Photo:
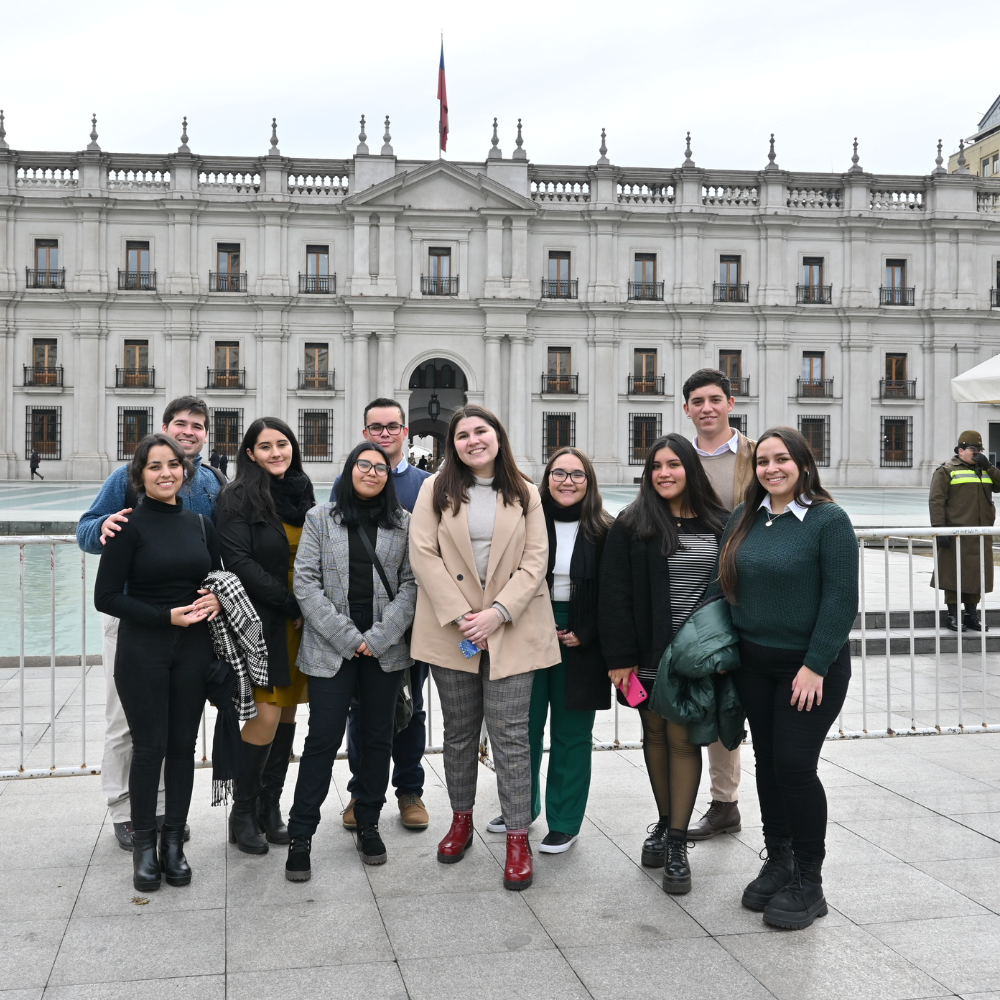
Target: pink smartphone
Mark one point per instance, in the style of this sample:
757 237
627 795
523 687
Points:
636 692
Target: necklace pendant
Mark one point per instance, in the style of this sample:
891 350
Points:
767 524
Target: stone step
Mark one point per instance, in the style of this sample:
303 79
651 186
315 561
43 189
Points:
923 642
921 619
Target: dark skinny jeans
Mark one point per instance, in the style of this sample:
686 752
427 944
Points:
160 677
787 743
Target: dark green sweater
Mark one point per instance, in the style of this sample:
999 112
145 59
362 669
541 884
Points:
797 582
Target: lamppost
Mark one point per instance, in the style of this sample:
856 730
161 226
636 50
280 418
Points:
434 407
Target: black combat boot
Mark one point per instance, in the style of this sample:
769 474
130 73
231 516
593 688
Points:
801 901
654 846
774 875
676 871
972 620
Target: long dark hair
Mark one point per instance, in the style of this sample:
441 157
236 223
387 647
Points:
649 515
594 519
347 512
141 456
253 482
451 488
808 487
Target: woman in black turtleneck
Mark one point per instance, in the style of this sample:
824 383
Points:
576 688
259 517
150 577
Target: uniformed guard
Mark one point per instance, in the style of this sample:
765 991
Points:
962 496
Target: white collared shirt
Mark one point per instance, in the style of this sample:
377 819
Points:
799 507
733 445
402 467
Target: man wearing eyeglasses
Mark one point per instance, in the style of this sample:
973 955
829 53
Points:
385 425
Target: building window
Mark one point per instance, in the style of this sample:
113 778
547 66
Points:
559 284
895 291
739 421
644 429
729 269
137 275
46 272
227 373
816 431
644 380
897 442
986 166
316 435
316 373
559 431
137 255
645 287
317 277
558 377
228 277
813 290
729 287
135 373
895 367
44 353
812 271
813 363
225 430
731 364
43 431
439 280
134 423
895 274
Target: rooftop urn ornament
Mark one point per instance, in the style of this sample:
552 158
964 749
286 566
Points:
963 165
603 150
688 162
855 159
274 151
3 133
939 160
771 156
519 153
386 139
92 145
362 149
183 147
494 153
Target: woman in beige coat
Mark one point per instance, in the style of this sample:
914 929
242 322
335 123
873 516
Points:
479 552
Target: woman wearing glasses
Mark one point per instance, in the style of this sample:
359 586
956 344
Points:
354 585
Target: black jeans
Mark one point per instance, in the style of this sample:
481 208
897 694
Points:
329 701
787 742
160 676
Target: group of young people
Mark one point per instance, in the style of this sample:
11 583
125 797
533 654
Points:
529 606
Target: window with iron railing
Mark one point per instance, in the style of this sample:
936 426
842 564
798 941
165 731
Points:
558 377
645 287
559 431
316 280
43 431
739 421
316 374
644 429
559 284
135 373
730 286
45 368
134 423
227 373
731 364
137 275
813 291
816 431
644 380
897 442
316 435
225 430
228 277
895 291
46 272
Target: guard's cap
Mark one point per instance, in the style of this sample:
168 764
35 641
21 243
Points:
969 439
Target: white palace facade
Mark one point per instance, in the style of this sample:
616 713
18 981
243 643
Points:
572 300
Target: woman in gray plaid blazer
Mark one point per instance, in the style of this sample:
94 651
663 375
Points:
357 594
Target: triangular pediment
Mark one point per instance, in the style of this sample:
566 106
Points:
441 185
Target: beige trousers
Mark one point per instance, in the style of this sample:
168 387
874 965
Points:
724 770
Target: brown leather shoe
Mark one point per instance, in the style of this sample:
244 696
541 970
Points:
413 812
721 817
350 823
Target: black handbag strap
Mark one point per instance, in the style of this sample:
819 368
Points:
376 562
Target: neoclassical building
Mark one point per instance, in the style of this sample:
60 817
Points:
572 299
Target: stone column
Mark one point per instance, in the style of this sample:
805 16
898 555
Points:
84 420
385 377
360 279
604 400
359 392
272 398
520 399
492 375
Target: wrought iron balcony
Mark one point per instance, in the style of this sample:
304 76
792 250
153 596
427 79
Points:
814 387
317 284
45 279
40 375
554 384
645 291
135 378
227 281
995 298
740 386
136 281
894 388
563 288
438 286
316 380
730 293
227 378
646 385
813 295
895 296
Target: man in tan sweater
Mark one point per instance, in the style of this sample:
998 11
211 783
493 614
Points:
727 458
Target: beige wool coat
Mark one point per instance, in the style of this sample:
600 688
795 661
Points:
448 586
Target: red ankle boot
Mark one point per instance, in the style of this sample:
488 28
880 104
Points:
457 840
517 873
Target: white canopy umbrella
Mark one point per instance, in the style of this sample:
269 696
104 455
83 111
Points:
978 385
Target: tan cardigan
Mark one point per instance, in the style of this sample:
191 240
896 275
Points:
448 586
744 467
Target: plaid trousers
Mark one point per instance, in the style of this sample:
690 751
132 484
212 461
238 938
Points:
466 699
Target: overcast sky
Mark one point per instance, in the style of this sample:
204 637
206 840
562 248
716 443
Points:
897 74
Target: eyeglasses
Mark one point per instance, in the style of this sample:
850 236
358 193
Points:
381 469
560 475
376 429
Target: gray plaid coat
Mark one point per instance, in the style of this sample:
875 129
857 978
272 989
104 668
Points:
321 580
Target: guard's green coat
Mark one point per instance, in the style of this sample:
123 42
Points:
961 496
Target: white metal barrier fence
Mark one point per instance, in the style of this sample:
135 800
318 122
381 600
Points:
913 674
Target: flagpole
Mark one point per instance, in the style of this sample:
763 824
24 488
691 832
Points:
440 109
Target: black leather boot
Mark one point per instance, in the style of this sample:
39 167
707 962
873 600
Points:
145 866
244 829
953 623
801 901
676 871
269 800
973 621
720 817
654 846
176 869
774 875
370 844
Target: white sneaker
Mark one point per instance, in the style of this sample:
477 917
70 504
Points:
557 843
497 825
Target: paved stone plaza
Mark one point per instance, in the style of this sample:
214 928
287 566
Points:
913 879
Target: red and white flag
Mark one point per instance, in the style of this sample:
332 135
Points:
443 98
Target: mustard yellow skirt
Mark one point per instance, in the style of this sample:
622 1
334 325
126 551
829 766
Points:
296 693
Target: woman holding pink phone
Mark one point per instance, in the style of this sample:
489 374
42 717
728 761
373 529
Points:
659 559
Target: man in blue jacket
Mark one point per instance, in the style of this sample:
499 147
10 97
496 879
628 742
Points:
186 420
385 425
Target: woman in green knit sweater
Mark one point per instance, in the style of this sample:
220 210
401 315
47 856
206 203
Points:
789 568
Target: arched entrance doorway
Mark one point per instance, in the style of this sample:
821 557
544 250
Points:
437 387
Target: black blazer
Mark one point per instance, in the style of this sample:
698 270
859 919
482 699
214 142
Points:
257 552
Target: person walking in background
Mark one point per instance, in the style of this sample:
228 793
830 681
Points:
727 457
260 518
789 569
354 584
961 495
213 459
659 560
150 580
185 420
385 425
479 550
224 464
36 460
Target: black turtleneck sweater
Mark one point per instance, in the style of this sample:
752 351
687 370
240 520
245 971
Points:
361 582
159 558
